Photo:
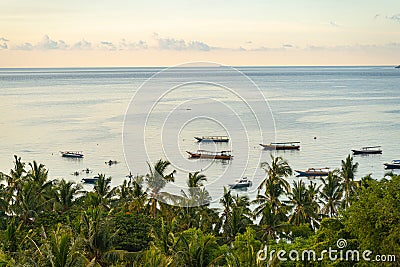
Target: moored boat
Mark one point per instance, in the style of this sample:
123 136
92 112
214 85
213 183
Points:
215 138
90 180
314 172
367 150
282 146
241 183
204 154
395 164
71 154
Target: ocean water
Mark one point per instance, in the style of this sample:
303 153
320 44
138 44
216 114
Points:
138 115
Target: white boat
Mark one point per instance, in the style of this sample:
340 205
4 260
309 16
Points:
241 183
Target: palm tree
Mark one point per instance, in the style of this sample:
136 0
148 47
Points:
197 196
276 171
65 193
347 173
275 183
236 215
156 181
331 194
304 207
14 180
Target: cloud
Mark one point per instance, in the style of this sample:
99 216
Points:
24 46
180 44
196 45
107 45
334 24
3 43
48 44
126 45
395 17
83 45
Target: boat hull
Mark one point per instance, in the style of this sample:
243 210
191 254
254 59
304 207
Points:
72 156
278 147
199 139
237 186
312 174
366 152
391 166
89 180
205 156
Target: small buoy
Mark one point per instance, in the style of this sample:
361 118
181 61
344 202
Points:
315 137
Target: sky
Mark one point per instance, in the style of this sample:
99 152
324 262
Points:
74 33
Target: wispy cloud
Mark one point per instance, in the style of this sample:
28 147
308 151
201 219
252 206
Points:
287 46
127 45
24 46
180 44
334 24
395 17
107 45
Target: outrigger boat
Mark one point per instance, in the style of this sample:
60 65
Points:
241 183
395 164
314 172
216 138
71 154
368 150
204 154
282 146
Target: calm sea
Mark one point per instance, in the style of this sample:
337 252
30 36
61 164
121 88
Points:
330 110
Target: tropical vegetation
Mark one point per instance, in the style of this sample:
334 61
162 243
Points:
47 222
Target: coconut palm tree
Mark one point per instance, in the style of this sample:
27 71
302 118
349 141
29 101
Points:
331 194
156 181
304 207
276 171
14 181
347 173
64 194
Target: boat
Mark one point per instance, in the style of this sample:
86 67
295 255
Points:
215 138
204 154
395 164
314 172
397 67
90 180
282 146
367 150
72 154
241 183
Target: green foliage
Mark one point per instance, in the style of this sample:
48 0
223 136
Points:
374 218
133 231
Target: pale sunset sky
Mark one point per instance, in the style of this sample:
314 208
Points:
163 33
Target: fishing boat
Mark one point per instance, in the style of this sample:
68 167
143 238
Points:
395 164
314 172
90 180
204 154
367 150
215 138
241 183
282 146
71 154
